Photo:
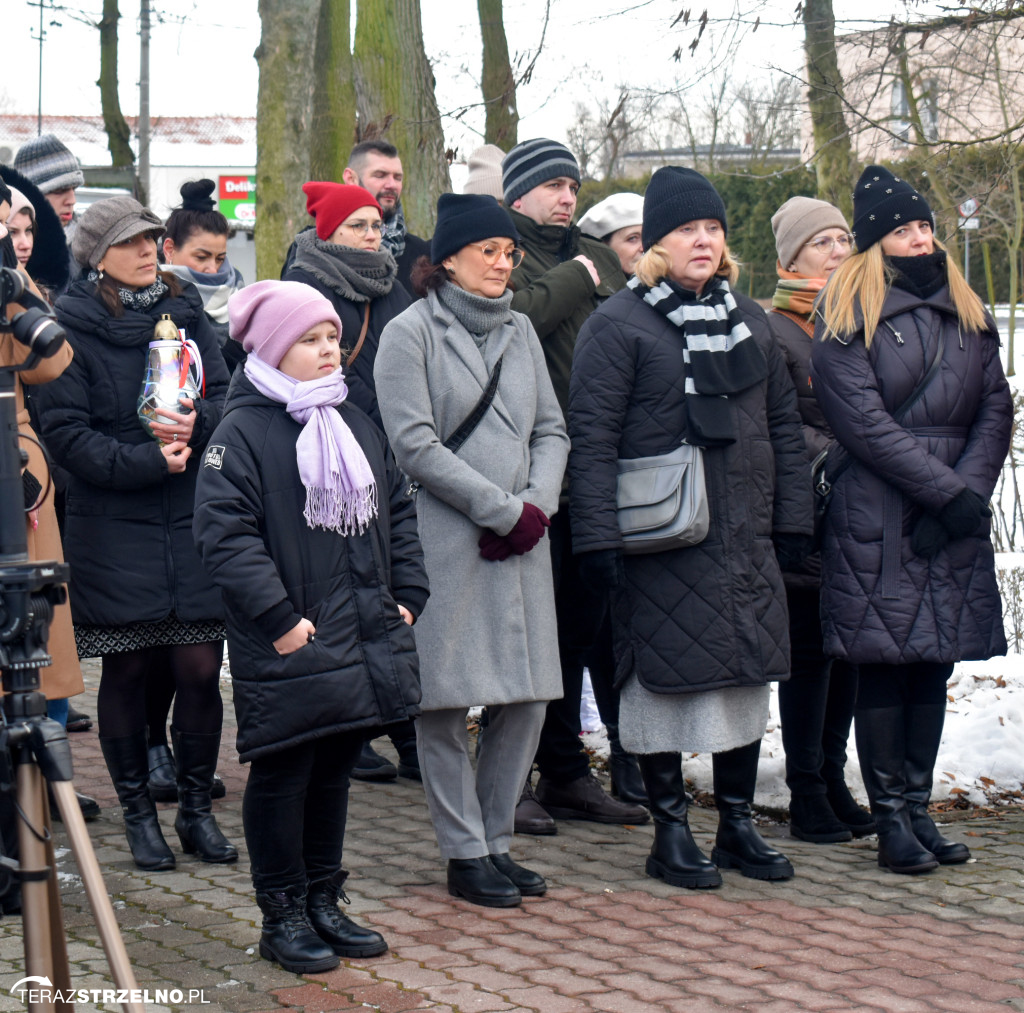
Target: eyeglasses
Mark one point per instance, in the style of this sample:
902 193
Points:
361 228
491 254
827 243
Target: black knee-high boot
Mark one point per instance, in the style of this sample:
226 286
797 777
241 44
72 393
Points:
881 748
195 824
924 733
738 845
674 857
129 770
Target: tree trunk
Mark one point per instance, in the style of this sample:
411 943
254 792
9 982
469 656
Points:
334 93
118 133
499 83
283 114
395 100
833 155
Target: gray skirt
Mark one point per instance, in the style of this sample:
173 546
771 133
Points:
711 722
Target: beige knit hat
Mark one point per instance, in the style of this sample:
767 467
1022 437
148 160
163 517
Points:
799 219
485 172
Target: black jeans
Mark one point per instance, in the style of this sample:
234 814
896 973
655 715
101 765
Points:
294 811
579 612
816 702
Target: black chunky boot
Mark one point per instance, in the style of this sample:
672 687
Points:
195 823
924 733
335 928
881 747
738 845
674 856
126 761
288 938
627 782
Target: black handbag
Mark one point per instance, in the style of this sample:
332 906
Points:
834 460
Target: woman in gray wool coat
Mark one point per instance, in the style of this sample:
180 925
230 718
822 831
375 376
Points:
488 634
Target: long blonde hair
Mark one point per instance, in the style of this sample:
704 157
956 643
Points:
865 277
656 263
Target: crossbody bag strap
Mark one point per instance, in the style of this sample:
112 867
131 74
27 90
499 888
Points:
471 421
362 337
915 396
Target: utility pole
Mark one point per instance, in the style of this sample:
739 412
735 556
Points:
144 101
41 38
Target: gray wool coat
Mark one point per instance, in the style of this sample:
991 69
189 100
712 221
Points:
488 634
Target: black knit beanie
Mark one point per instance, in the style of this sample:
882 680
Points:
534 162
675 196
883 202
464 218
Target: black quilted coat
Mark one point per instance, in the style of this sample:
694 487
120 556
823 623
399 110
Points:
713 615
361 670
880 602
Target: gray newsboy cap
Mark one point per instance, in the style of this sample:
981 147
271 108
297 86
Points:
107 223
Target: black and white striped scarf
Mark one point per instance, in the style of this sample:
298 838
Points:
720 354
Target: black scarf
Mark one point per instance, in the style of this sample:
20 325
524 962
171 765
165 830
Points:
140 299
720 354
921 276
357 275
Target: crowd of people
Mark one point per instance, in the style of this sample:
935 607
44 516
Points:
398 494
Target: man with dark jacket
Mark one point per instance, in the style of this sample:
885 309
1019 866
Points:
561 281
375 166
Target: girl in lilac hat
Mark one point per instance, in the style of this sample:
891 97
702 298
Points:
303 521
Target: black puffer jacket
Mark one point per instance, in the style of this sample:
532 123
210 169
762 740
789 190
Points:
713 615
361 670
880 602
361 389
128 532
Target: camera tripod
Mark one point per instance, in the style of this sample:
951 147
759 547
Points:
34 749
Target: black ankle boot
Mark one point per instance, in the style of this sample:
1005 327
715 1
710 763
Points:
126 761
851 815
163 776
195 823
333 926
288 937
811 819
923 726
674 857
738 845
881 749
403 738
627 782
479 882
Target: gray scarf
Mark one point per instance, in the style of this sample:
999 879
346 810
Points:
140 299
479 314
357 275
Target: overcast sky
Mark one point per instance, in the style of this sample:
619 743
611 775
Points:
202 54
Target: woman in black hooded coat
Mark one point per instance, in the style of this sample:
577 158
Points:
908 576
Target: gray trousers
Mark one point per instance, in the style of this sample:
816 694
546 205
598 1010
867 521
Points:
473 812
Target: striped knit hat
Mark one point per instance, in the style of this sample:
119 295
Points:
49 164
534 162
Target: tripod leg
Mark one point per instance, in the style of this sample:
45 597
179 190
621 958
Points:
96 891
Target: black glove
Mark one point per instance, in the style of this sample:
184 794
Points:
963 514
602 569
792 549
31 488
929 537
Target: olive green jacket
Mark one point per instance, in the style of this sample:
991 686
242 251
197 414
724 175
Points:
557 292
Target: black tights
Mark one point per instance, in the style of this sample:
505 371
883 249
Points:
193 670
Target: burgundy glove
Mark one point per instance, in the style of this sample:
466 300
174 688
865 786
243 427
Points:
493 547
529 530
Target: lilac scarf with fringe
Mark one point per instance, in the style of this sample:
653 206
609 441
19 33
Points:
341 494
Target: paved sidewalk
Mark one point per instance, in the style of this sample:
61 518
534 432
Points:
842 935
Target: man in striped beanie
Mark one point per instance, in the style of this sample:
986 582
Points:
52 167
561 281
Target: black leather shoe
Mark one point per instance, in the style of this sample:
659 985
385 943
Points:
371 766
288 938
585 799
529 883
811 819
479 882
531 817
859 822
77 721
89 806
335 928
